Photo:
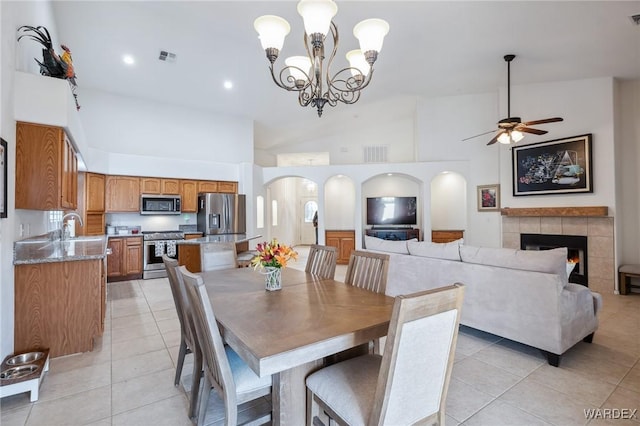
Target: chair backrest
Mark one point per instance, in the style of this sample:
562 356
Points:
418 357
216 363
322 261
368 270
214 256
179 299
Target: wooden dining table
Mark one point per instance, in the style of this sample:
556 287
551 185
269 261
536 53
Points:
288 333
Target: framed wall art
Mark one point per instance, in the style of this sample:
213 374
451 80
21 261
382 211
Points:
3 178
561 166
488 198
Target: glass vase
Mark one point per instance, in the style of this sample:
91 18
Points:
272 278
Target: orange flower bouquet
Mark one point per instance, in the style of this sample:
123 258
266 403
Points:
272 257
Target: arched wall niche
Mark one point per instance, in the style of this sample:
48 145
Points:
290 194
448 201
394 185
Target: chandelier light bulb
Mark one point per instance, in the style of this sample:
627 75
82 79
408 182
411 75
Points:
299 67
357 62
370 33
504 138
317 15
271 30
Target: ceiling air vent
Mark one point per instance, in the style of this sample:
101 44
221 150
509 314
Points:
167 56
635 19
375 154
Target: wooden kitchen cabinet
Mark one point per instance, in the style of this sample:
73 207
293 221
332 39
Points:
228 187
125 260
189 256
46 168
91 204
344 241
122 194
207 186
151 185
59 305
189 196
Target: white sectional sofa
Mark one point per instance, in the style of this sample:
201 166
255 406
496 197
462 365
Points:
517 294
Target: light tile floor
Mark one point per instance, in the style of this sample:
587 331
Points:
128 378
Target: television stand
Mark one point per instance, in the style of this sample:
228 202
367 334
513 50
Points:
396 234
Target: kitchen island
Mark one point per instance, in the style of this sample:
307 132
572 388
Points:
189 251
60 294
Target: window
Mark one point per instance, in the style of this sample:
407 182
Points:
310 209
274 213
259 212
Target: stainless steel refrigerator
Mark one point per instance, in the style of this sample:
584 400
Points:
221 213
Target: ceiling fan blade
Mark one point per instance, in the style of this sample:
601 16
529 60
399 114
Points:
531 130
543 121
481 134
495 138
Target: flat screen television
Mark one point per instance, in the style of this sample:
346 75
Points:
392 211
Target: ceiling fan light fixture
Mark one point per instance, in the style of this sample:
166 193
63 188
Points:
511 136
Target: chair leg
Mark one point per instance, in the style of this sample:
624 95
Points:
181 355
196 377
203 400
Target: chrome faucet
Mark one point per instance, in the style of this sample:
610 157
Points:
65 229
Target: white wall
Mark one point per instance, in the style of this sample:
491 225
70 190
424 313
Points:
339 205
627 107
449 202
14 56
149 138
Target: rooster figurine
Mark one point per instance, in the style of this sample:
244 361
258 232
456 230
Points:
52 65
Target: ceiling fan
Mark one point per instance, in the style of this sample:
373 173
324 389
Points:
510 129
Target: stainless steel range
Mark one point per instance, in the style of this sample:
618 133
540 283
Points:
157 243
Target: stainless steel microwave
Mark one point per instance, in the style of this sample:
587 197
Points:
159 204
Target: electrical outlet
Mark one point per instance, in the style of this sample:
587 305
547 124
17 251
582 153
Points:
28 229
21 230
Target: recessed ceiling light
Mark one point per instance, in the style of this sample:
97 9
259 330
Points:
228 85
128 59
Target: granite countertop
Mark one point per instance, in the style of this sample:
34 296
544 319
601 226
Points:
39 250
123 235
227 238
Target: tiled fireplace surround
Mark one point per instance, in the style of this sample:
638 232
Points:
599 233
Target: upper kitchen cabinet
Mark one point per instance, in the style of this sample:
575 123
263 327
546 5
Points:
46 168
189 195
207 186
228 187
122 194
159 186
95 192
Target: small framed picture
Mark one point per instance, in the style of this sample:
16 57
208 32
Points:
488 198
3 178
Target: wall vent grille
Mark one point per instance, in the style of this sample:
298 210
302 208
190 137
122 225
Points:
167 56
375 154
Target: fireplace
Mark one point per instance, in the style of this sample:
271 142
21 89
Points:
577 251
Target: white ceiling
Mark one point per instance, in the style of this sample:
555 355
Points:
433 49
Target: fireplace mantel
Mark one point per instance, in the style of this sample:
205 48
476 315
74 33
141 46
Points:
595 211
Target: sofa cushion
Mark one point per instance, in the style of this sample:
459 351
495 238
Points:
447 251
378 244
552 261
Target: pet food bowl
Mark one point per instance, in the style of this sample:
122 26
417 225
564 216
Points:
25 358
18 372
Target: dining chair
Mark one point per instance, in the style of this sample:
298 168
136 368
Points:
218 255
188 340
409 383
322 261
368 270
224 370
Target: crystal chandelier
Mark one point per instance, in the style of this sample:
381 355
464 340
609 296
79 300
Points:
308 75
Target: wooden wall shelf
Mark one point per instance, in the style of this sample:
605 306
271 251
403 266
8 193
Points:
596 211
